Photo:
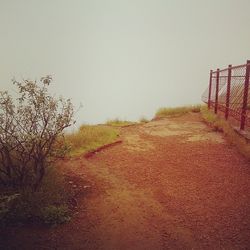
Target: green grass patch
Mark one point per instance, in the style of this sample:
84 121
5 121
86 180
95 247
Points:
119 123
48 205
89 138
220 124
177 111
55 215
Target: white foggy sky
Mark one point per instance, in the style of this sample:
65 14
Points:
122 58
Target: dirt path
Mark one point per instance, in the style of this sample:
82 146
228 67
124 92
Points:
171 184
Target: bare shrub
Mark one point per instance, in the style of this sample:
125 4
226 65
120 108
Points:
29 127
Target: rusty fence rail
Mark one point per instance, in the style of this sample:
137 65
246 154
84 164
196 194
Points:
228 93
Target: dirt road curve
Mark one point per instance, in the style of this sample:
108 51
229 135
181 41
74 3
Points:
171 184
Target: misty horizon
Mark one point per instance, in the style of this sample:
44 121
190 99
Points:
122 59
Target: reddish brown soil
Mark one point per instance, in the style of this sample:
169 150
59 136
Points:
171 184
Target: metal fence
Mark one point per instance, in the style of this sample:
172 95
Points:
228 93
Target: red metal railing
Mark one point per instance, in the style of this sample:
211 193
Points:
229 93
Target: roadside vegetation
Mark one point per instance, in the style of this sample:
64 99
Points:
88 138
119 123
143 120
220 124
32 140
48 205
177 111
31 188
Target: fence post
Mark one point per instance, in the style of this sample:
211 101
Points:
245 96
217 91
210 88
228 90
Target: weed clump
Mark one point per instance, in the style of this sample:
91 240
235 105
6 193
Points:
221 125
88 138
144 120
119 123
177 111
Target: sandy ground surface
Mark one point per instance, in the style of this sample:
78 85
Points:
171 184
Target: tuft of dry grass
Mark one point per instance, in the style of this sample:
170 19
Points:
89 137
119 123
143 120
177 111
233 137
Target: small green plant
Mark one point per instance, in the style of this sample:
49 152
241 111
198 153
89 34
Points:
54 215
177 111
